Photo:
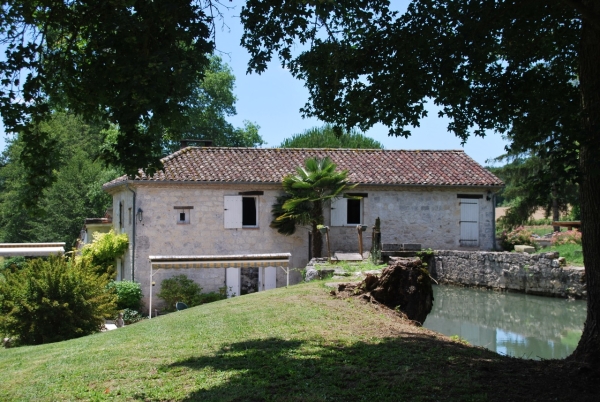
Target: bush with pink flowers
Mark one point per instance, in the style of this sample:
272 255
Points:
568 237
519 235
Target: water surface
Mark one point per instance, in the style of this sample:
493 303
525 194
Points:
513 324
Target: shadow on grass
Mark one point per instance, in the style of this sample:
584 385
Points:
416 367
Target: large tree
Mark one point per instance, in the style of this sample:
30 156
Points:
75 191
129 63
327 137
533 182
212 101
529 69
307 191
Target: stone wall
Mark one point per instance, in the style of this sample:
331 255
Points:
539 274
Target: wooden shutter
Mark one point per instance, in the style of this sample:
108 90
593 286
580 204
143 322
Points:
469 222
233 282
270 278
232 215
339 212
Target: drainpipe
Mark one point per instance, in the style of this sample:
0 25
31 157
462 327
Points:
494 222
134 219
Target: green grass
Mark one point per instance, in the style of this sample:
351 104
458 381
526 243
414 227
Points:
366 265
569 251
296 344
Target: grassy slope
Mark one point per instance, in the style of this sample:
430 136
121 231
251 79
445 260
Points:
287 344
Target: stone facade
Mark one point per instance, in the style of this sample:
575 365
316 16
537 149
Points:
540 274
428 215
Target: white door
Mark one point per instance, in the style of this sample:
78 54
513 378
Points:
233 281
270 281
469 222
267 278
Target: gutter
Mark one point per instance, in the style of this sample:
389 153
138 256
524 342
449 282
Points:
133 234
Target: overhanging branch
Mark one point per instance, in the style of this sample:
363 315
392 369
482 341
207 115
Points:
586 12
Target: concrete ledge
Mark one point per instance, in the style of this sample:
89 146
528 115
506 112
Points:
524 249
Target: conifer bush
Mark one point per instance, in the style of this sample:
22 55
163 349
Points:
54 299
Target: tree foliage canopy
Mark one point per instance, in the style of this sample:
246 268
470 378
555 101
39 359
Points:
208 107
326 137
129 63
73 193
506 66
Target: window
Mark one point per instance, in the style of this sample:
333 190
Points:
240 211
248 211
347 211
183 214
121 222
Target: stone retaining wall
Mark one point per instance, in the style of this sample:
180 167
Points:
540 274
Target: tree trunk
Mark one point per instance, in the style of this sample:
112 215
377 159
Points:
317 219
555 212
588 349
317 241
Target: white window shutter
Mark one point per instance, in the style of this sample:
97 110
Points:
339 212
233 282
270 278
469 222
233 211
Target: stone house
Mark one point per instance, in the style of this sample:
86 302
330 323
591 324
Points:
206 214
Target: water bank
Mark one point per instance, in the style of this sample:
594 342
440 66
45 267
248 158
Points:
537 274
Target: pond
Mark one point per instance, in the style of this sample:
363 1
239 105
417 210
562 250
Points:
513 324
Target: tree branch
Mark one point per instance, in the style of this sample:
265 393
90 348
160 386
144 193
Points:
586 13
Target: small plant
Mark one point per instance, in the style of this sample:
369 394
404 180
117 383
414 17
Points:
457 338
519 235
180 289
129 294
131 316
568 237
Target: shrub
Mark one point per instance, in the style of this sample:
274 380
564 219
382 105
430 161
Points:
129 294
54 300
104 250
519 235
131 316
13 264
180 288
211 297
568 237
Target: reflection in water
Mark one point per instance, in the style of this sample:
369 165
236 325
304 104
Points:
513 324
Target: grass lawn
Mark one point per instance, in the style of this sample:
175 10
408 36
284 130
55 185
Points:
572 252
294 344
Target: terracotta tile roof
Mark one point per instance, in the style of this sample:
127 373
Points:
365 166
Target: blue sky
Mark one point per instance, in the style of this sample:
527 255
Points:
274 98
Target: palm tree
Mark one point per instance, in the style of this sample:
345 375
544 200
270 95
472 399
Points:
307 192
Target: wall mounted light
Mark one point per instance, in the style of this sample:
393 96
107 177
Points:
140 214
